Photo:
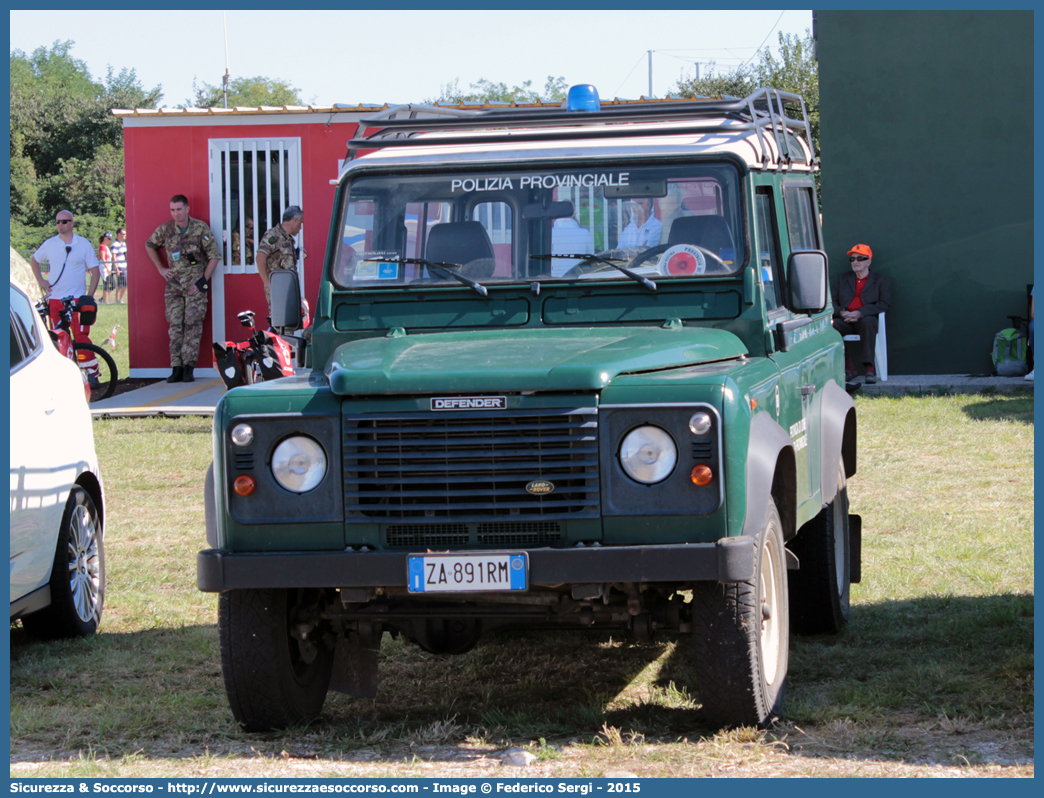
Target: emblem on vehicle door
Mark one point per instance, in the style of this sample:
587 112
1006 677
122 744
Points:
540 487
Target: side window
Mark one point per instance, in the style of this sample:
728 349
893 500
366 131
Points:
16 351
801 217
496 218
23 325
768 246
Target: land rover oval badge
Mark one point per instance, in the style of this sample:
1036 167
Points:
538 487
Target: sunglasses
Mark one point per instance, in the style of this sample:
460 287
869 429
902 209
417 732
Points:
859 257
63 221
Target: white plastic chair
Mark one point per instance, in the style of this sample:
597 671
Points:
880 350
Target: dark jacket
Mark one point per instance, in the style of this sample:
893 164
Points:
877 293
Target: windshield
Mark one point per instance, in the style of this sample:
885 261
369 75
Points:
645 223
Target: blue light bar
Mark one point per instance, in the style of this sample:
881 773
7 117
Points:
583 97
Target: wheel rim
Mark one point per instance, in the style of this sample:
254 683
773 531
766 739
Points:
84 563
771 609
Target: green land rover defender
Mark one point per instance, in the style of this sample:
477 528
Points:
570 368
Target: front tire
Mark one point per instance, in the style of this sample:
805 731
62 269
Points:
742 638
273 677
77 574
821 587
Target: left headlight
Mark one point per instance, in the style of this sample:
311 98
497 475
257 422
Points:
299 464
648 454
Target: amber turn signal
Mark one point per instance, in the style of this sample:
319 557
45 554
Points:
245 484
701 475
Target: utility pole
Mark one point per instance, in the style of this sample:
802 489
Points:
224 80
650 74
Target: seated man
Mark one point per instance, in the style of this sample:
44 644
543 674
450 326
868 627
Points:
860 296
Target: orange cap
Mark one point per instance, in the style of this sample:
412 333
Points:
861 249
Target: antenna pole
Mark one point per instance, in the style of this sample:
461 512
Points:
224 82
650 74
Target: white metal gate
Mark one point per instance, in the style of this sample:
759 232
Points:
252 181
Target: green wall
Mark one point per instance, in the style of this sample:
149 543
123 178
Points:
927 150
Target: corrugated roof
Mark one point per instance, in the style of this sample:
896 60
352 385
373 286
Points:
241 110
346 108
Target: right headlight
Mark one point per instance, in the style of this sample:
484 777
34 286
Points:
648 454
299 464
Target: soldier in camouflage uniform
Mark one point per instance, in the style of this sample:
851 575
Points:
192 257
277 249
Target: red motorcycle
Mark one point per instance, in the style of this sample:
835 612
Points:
265 355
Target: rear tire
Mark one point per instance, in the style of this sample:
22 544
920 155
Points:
77 574
107 375
821 587
272 679
742 638
252 374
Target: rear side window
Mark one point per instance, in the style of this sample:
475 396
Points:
801 217
768 246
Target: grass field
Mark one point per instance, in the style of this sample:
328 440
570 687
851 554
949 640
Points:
933 676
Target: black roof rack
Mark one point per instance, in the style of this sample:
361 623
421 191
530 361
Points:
763 111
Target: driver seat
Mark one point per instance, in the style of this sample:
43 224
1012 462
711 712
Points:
465 243
710 232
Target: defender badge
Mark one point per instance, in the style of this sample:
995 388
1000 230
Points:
540 487
470 403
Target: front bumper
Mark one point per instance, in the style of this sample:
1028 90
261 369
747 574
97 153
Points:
727 560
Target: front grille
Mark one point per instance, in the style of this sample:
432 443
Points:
427 535
471 466
498 533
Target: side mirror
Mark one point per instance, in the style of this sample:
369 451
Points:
807 278
286 299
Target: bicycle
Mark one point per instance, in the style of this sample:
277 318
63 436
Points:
102 382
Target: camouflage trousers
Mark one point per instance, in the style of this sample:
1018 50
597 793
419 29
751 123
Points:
185 316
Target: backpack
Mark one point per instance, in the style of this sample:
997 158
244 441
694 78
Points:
1009 353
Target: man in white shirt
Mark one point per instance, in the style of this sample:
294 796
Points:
70 258
644 229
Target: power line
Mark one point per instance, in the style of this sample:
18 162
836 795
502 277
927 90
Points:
781 13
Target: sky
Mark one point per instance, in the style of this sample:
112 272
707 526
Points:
343 56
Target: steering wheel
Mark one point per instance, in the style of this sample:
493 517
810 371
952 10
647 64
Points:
653 252
649 254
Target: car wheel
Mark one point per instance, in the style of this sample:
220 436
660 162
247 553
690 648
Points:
820 588
742 638
275 676
77 575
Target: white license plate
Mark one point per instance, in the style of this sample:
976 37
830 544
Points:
463 573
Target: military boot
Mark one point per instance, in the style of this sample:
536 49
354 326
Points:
187 375
177 375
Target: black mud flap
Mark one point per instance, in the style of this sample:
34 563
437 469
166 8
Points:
855 547
355 662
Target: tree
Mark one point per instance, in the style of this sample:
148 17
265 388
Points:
248 92
487 91
66 146
792 69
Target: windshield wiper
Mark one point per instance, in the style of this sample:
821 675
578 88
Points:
614 263
446 269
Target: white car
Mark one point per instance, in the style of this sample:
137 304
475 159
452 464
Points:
57 499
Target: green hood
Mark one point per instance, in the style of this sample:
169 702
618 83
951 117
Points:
519 360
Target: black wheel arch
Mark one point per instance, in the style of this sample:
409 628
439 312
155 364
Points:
771 474
837 422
